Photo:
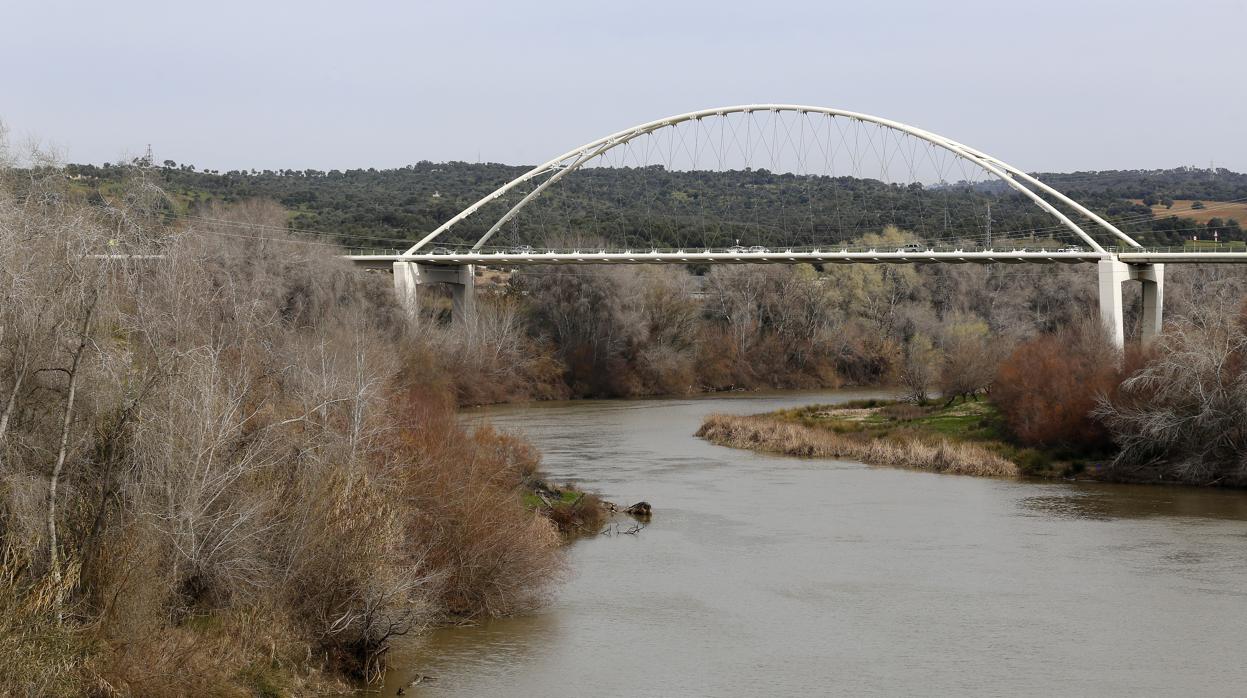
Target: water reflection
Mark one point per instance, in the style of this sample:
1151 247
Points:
489 649
1103 502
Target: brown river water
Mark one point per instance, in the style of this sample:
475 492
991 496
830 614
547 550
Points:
767 575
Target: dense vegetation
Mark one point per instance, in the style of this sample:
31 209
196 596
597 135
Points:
615 331
1061 404
605 332
233 472
652 206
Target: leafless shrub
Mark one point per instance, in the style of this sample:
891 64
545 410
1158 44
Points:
1183 416
615 331
226 495
769 326
492 358
584 515
921 368
970 359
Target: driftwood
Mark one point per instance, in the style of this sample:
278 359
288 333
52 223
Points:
640 510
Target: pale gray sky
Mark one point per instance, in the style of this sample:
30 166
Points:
1045 85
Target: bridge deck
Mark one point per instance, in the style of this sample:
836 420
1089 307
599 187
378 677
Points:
793 256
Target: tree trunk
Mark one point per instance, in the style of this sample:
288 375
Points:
54 481
10 404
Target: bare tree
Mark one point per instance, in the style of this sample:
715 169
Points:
970 359
1183 416
921 368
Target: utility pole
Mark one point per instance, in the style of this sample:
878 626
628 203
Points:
989 225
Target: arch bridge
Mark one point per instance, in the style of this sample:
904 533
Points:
1122 259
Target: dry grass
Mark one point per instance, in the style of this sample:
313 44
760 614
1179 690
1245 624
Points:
848 414
38 655
762 433
246 652
906 411
1212 209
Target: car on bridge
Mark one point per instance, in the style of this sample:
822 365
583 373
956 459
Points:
758 249
1071 248
910 248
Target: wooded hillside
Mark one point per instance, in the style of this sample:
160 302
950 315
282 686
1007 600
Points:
652 206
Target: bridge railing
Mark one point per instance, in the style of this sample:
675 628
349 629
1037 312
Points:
1186 248
377 251
755 249
915 249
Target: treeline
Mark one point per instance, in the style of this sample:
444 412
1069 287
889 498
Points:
1026 337
651 206
1193 183
590 331
231 470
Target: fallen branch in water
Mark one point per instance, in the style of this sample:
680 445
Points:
614 530
419 679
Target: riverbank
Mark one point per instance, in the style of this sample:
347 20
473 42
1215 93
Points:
238 474
752 555
963 439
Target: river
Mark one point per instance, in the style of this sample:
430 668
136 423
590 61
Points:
768 575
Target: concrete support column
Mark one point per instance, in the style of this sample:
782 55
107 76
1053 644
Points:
409 276
406 280
1112 274
463 295
1153 278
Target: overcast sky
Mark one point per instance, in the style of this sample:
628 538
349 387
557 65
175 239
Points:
1044 85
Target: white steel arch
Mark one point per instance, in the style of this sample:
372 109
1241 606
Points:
572 160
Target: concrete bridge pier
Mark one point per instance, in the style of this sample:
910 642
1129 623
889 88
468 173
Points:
1112 275
409 276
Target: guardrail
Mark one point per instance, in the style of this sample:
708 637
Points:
797 250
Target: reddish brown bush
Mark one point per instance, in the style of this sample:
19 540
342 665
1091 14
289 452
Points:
463 513
1047 388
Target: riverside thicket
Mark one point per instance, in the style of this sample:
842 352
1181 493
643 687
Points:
231 469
